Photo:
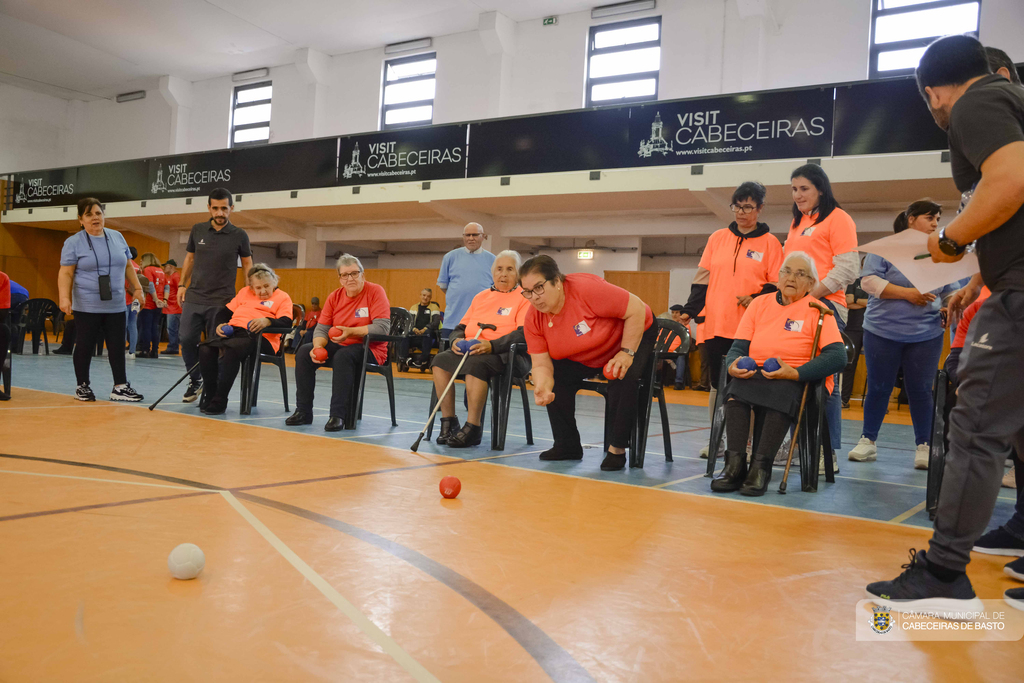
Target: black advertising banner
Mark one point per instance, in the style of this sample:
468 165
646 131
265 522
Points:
267 168
395 156
120 181
573 141
770 125
55 187
884 117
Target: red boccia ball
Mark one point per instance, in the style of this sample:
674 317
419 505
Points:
335 334
450 487
320 354
608 372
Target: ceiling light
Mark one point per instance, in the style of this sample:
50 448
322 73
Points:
131 96
622 8
420 44
250 75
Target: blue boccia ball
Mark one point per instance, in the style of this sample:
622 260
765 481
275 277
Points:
227 330
746 363
771 365
466 344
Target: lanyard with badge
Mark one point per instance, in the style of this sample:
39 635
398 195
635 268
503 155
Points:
104 280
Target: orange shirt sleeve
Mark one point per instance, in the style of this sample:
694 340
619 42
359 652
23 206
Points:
709 249
521 312
773 260
843 235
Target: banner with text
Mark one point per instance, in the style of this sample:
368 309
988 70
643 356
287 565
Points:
55 187
396 156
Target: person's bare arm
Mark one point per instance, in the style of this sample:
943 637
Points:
543 374
65 276
132 278
186 276
632 331
246 265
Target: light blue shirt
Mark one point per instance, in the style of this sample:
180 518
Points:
897 319
463 275
105 256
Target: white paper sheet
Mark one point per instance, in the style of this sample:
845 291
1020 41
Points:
900 250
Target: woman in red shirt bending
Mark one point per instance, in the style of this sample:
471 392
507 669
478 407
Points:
580 324
150 315
254 308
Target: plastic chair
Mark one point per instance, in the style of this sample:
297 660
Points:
400 323
6 360
293 339
250 372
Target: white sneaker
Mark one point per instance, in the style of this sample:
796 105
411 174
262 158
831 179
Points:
704 452
131 356
821 463
864 451
921 457
1010 479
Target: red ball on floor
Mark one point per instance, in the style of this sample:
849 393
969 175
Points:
450 487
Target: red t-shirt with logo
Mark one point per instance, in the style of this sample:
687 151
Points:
311 318
737 267
172 307
246 306
786 332
371 304
156 275
960 338
128 298
835 235
588 329
5 291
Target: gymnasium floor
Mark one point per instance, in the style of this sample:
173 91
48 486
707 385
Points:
333 557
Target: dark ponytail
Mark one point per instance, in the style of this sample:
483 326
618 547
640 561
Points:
922 207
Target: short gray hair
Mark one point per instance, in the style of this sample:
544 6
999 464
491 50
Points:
347 260
263 272
509 253
806 257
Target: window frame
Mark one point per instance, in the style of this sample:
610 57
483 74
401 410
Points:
876 49
640 75
235 106
385 108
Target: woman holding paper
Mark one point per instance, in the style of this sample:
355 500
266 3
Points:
902 328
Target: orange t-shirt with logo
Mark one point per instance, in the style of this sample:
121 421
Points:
786 332
344 311
246 306
737 267
835 235
505 310
588 329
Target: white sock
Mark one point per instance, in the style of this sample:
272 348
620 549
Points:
120 386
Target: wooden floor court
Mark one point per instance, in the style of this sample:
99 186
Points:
336 559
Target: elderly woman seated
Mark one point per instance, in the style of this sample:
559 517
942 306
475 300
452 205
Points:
254 308
502 306
780 327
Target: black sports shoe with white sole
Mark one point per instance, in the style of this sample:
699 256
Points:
195 387
999 542
917 589
1015 569
125 393
84 393
1015 598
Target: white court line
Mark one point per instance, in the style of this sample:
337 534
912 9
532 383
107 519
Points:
88 404
678 481
370 436
403 658
110 481
909 513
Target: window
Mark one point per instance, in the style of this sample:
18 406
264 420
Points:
623 60
902 29
408 93
250 115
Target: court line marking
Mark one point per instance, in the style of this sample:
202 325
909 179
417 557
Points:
898 519
111 481
383 640
100 506
678 481
76 405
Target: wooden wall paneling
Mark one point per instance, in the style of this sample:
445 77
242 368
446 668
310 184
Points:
31 257
144 243
651 286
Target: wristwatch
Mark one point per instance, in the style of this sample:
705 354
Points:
628 352
949 246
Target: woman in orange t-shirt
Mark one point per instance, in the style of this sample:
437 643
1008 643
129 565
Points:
580 324
504 307
779 327
254 308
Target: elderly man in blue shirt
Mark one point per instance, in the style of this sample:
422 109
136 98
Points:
465 272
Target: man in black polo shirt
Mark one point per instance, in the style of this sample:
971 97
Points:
984 116
208 279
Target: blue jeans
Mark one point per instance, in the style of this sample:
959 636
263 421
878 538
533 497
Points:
834 406
173 320
884 358
131 323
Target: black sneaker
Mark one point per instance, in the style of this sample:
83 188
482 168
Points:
84 393
1015 598
125 393
469 435
556 452
1015 569
613 462
195 387
918 589
999 542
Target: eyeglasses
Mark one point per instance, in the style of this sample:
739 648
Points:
742 208
802 274
536 291
354 275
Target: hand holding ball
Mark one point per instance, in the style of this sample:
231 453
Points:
227 330
608 372
450 487
746 363
187 561
466 344
336 334
320 354
771 365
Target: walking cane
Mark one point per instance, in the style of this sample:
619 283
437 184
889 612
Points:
823 311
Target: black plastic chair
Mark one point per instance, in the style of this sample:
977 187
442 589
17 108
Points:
937 446
812 438
500 392
400 323
650 388
250 372
37 312
293 339
6 360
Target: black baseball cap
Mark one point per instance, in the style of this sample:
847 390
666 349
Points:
676 307
171 262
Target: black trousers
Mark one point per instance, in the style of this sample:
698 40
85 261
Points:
149 330
417 345
345 362
195 319
620 406
91 328
717 349
774 427
219 363
856 335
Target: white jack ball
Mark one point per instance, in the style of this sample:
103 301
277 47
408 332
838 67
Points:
186 561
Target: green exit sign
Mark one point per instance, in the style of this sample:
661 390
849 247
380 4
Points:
550 21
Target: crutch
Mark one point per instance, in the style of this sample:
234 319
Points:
187 373
437 406
823 311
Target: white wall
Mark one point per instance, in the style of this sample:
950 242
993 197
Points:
33 129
